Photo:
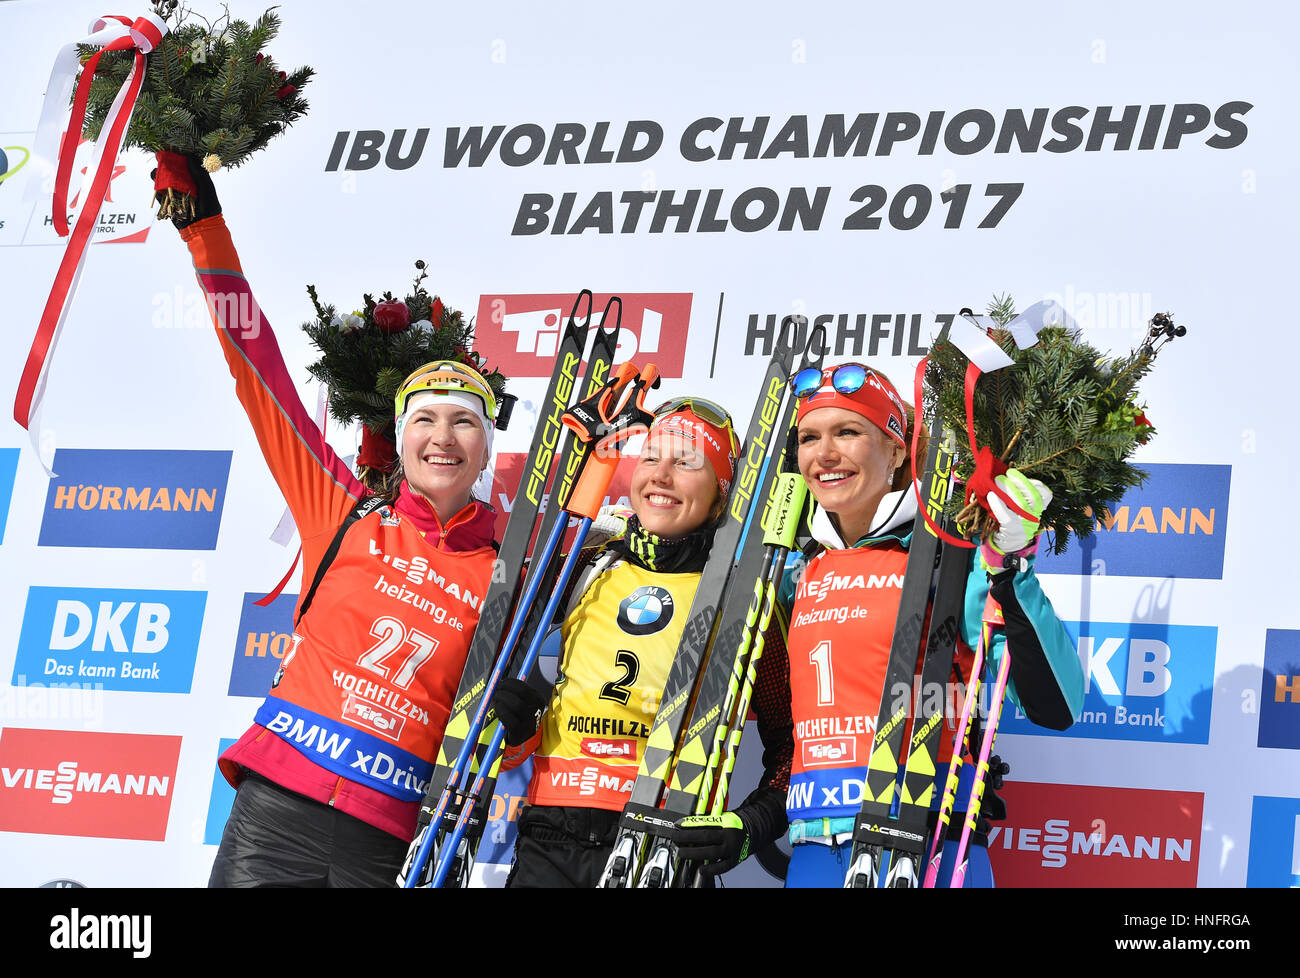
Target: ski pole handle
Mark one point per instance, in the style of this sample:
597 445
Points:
619 414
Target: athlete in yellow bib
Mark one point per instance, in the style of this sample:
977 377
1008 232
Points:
625 620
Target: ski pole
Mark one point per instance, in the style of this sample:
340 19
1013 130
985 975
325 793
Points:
955 765
608 423
460 766
981 772
494 610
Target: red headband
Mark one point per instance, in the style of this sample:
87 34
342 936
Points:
715 443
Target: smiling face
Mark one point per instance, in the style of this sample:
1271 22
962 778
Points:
444 450
674 489
848 463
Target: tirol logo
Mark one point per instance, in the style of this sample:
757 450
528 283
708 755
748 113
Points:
102 785
1144 681
609 750
1279 706
1078 835
261 642
25 219
646 610
140 641
8 468
510 470
137 499
374 717
1274 842
830 750
520 334
1173 526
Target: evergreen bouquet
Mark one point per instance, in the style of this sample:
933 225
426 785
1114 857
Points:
1062 413
367 353
210 92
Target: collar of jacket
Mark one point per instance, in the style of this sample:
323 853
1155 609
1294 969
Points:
897 523
469 529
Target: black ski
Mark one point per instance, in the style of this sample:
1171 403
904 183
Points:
932 567
642 816
495 610
571 457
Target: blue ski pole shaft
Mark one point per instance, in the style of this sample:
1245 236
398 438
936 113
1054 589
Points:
461 765
448 851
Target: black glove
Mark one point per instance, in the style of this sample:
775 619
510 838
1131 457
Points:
717 842
200 193
519 707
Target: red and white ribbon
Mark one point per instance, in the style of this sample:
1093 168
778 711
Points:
111 33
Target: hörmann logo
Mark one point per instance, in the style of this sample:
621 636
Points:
519 334
164 500
757 450
1279 707
1080 835
67 782
1173 526
262 640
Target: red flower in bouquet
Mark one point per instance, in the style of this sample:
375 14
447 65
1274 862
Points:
1141 422
392 316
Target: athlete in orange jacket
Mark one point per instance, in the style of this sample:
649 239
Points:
330 775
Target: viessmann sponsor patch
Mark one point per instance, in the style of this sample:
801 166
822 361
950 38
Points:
1096 836
104 785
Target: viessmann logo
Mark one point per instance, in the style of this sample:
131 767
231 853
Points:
519 334
164 500
103 785
1080 835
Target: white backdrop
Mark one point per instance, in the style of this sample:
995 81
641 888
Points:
1188 611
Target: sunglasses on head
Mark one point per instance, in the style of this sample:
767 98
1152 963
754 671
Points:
714 414
846 378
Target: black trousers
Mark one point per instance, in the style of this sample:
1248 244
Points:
562 847
276 837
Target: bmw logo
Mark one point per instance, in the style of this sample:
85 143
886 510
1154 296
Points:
646 610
